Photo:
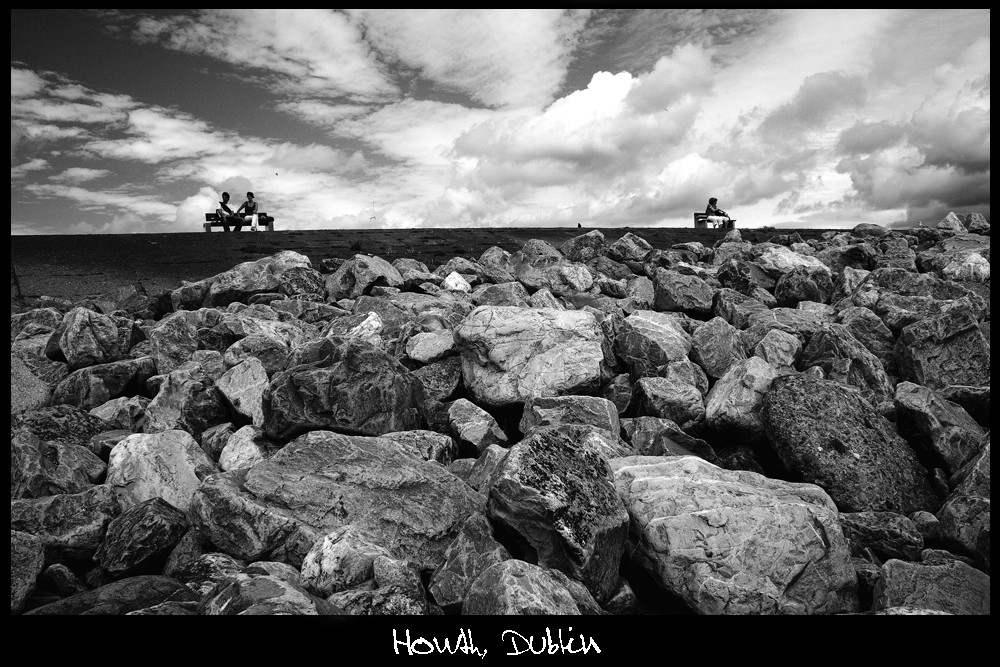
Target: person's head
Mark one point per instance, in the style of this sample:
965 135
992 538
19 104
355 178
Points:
249 195
225 196
713 201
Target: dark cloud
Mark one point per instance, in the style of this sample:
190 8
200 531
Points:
869 137
820 97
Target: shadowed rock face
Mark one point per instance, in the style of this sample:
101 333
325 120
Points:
827 434
554 489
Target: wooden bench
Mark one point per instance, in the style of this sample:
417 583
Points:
212 220
701 222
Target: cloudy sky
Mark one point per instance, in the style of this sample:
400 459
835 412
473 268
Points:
126 121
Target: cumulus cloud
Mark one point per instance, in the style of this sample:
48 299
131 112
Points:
79 175
498 57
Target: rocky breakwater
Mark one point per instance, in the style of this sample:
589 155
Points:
600 428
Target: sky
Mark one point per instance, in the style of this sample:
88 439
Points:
135 121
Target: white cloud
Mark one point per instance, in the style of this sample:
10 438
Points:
499 57
79 175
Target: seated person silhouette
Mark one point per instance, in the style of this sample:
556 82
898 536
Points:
715 215
226 214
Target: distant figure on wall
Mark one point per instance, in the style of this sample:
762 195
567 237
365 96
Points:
226 215
716 215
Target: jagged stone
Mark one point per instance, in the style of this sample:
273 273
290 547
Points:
515 587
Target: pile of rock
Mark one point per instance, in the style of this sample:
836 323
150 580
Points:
604 427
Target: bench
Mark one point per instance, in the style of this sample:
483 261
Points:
212 220
701 222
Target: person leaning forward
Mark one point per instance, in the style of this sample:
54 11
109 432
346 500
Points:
716 215
227 216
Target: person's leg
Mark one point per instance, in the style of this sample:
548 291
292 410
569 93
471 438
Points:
223 218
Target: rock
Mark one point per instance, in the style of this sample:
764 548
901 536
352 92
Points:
736 308
243 386
511 354
350 386
654 436
954 588
471 553
244 449
965 525
734 402
140 538
255 592
952 223
734 542
473 427
935 427
322 481
340 560
502 294
844 359
86 338
61 424
675 291
945 349
887 534
781 350
27 391
204 572
120 597
27 559
483 470
123 413
95 385
556 492
974 477
187 400
976 223
870 331
69 526
259 277
869 229
897 254
426 445
543 411
46 468
803 283
680 403
647 342
584 247
618 390
716 346
827 434
628 247
517 588
168 465
425 348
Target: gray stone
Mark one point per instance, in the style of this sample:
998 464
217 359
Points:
473 551
517 588
954 588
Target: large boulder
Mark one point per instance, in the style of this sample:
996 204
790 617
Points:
27 559
647 342
543 411
843 358
140 538
322 481
86 338
94 386
256 277
358 275
716 346
61 424
511 354
27 390
243 386
344 385
733 404
168 465
474 428
518 588
187 400
735 542
556 491
945 349
825 433
70 526
471 553
953 587
939 429
120 597
41 468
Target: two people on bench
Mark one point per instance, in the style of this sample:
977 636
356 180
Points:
715 215
245 214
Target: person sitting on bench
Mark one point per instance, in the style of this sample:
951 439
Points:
248 210
716 215
226 215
